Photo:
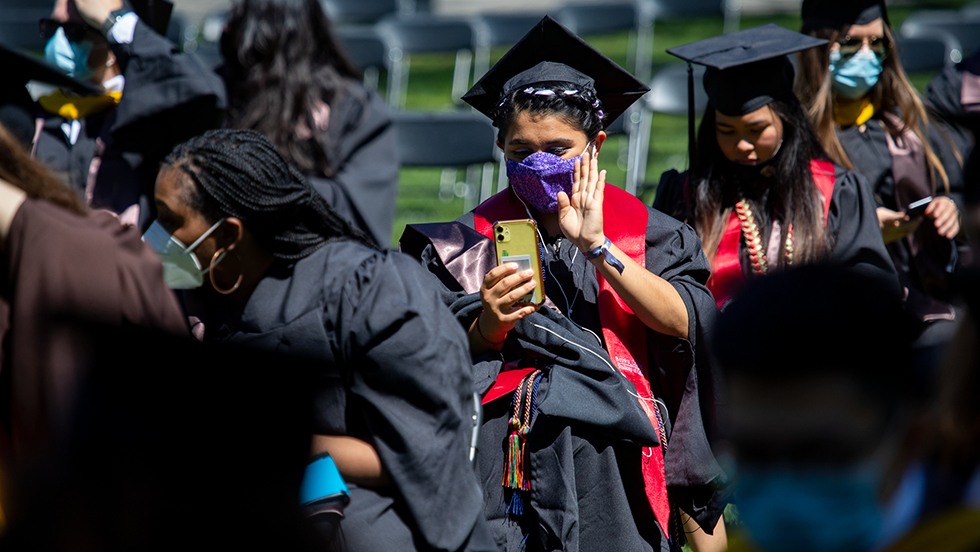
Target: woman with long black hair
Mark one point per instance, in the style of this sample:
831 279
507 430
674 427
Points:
761 193
288 77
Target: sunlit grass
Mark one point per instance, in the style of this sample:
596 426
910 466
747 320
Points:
430 88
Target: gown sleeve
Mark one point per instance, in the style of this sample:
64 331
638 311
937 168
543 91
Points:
853 224
92 270
688 382
366 159
169 96
669 198
412 389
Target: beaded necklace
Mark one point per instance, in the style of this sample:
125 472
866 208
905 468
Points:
753 238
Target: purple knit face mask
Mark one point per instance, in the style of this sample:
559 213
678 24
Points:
539 177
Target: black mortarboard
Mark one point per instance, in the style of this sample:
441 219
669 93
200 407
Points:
747 69
838 13
155 13
22 68
550 52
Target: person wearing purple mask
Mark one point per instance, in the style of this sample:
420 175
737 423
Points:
613 440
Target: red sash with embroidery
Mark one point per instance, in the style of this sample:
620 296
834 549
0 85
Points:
726 269
625 224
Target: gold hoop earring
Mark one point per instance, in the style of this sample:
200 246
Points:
218 255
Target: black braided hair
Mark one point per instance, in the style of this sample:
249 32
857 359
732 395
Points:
239 173
581 110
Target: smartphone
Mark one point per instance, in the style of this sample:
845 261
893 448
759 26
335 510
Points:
516 241
918 207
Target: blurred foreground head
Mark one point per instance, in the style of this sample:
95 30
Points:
818 366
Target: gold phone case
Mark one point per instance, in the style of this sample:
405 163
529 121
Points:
517 241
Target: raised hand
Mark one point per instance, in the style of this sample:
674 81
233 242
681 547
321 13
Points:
580 217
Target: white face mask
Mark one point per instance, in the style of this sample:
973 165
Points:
181 268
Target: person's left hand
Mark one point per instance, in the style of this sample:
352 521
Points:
945 216
580 217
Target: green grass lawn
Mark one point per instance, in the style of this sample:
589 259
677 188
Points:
420 198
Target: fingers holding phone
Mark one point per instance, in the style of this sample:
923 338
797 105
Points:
945 216
504 287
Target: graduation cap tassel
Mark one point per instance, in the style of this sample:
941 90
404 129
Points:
523 407
692 151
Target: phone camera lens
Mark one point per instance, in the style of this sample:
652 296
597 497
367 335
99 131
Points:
500 238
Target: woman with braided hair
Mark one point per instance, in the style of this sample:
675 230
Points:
271 265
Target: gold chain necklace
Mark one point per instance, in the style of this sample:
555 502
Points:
753 239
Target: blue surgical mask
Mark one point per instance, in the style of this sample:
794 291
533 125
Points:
70 57
854 76
181 268
539 177
825 510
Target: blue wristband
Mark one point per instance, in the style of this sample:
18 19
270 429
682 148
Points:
321 480
603 251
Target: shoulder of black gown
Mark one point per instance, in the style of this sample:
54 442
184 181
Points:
853 227
169 95
412 384
670 195
364 153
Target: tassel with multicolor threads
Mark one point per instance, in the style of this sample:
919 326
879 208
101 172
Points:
523 407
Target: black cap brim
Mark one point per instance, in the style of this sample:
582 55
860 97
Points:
22 68
549 41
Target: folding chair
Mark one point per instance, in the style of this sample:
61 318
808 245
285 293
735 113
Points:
18 24
668 95
368 50
361 12
605 18
427 34
454 141
923 54
499 29
960 32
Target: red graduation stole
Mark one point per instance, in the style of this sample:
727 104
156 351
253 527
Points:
625 224
726 269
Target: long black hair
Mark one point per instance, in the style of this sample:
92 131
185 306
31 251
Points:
283 64
789 191
239 173
581 110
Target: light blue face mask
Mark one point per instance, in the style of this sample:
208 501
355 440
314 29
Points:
181 268
70 57
854 76
825 510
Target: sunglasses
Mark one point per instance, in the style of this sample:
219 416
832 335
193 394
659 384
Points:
849 46
75 32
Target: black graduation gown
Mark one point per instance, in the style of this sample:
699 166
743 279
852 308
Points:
926 272
395 373
950 97
364 154
852 224
168 97
587 493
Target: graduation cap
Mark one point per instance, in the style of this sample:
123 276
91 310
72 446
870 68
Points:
746 70
550 52
22 68
836 13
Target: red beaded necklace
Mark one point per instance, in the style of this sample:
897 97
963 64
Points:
753 238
